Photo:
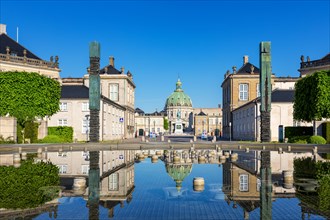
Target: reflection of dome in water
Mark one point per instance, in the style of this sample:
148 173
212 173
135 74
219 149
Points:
178 97
178 172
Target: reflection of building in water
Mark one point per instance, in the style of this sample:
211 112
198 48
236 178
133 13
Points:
242 186
117 186
178 172
242 181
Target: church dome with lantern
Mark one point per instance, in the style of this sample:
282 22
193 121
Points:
178 97
178 107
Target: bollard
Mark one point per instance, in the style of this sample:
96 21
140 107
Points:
264 147
143 139
247 150
195 138
24 156
199 184
201 159
19 150
39 153
17 160
315 150
280 151
287 179
176 159
239 147
154 158
234 157
227 154
169 141
162 138
289 148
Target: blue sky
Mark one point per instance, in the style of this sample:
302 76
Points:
161 40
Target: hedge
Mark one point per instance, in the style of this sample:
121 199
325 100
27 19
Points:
298 131
30 185
64 132
326 131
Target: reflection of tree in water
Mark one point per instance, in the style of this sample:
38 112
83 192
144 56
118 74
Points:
312 180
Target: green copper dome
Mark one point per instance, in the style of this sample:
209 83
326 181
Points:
178 97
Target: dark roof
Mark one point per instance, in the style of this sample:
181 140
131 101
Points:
109 70
6 41
139 111
283 95
82 92
246 69
74 92
202 114
278 95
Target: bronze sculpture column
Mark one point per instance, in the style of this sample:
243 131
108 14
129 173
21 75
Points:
265 110
94 108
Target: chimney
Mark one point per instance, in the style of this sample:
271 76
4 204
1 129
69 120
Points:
112 61
245 59
3 29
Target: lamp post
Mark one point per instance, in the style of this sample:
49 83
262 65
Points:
154 126
229 131
149 127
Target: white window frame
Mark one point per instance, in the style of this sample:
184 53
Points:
114 91
243 92
62 122
85 169
63 106
85 126
62 169
85 106
113 182
244 182
258 90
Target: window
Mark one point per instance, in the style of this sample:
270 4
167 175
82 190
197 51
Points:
61 154
84 169
258 90
85 126
85 106
243 92
258 184
63 168
114 92
64 106
62 122
243 183
113 181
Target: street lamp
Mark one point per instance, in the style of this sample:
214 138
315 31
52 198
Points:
87 126
229 131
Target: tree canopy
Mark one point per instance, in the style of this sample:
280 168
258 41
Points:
26 95
312 97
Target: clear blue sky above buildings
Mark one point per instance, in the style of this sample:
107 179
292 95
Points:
159 40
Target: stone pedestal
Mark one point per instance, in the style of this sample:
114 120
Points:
178 127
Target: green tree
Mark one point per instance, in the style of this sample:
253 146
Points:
165 124
26 95
312 97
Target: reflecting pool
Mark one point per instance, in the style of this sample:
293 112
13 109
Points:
180 184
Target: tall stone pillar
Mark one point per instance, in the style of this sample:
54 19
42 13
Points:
265 96
94 107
